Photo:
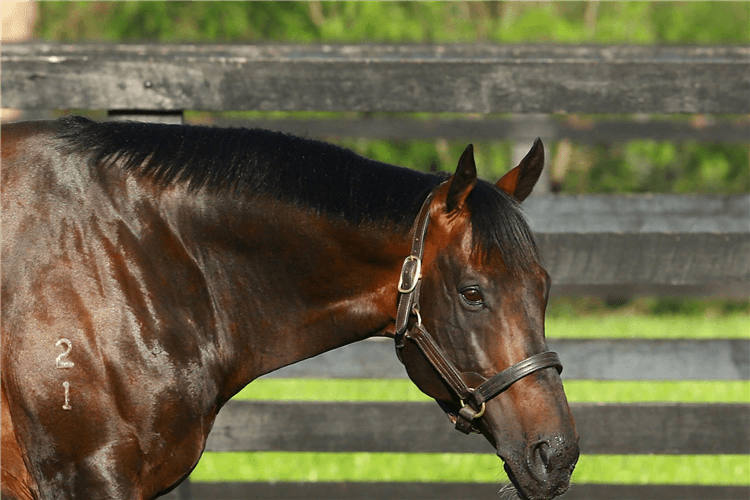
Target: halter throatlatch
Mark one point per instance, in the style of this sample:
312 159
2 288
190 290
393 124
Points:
472 400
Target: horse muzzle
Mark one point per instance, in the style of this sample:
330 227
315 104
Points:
543 470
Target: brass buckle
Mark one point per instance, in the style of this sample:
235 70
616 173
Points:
412 271
477 414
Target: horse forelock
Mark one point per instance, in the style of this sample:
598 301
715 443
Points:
499 227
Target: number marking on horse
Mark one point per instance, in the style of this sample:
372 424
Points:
67 406
61 362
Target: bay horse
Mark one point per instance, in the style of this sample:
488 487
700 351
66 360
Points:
149 272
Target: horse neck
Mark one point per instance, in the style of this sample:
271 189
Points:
286 283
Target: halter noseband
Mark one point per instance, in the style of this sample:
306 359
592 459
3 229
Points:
472 399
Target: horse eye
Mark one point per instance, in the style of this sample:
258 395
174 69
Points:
472 295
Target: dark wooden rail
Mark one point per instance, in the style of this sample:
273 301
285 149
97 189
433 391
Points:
450 491
584 359
644 428
471 79
631 240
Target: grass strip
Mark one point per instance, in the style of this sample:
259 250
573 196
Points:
687 391
682 391
649 327
447 467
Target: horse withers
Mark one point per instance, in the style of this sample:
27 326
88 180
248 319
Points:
149 272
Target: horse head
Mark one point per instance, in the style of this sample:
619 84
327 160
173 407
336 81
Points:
475 339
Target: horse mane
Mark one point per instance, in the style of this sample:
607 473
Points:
319 176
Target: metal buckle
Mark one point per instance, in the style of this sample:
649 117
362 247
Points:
412 271
465 419
476 414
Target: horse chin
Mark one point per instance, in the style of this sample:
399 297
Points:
514 481
529 489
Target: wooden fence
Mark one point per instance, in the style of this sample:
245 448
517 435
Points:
655 428
650 244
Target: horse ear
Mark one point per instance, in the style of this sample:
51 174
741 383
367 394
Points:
462 182
521 180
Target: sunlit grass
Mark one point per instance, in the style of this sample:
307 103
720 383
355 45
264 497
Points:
682 391
655 327
449 467
730 470
686 391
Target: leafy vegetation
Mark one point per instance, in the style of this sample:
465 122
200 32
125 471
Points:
402 22
647 166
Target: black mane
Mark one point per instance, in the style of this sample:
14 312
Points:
323 177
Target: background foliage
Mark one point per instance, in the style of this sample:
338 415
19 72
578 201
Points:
402 22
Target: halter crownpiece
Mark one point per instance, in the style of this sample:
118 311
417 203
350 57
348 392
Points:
473 400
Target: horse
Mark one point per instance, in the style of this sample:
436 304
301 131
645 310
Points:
150 272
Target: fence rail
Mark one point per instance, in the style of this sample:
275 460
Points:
450 491
469 79
417 427
646 244
584 359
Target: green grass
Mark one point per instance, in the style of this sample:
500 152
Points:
732 326
448 467
686 391
397 22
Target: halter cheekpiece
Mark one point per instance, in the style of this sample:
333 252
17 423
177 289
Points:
472 400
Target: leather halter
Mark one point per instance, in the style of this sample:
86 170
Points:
472 399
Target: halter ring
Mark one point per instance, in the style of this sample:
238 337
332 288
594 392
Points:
415 310
479 413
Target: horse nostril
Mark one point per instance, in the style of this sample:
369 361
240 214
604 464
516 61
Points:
551 461
542 449
540 456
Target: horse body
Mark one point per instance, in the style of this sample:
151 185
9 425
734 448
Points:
137 299
92 262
